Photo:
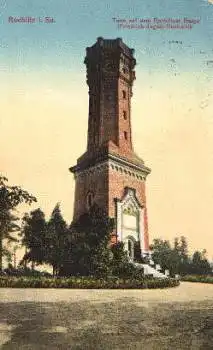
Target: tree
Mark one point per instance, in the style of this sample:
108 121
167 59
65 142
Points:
181 251
200 264
176 244
92 252
45 241
176 258
90 244
58 240
120 263
183 248
35 237
164 255
10 198
100 261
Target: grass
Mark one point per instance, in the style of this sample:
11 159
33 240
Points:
121 324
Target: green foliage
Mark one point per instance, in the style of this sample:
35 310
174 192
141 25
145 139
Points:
120 263
120 256
101 260
165 256
198 278
35 236
24 271
57 241
200 264
86 283
82 250
177 260
46 241
10 198
90 251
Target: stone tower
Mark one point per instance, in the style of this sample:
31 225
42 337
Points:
109 173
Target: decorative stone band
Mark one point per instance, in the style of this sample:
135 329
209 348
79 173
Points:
103 157
91 170
125 169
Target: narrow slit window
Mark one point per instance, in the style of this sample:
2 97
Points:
124 115
125 135
89 200
124 94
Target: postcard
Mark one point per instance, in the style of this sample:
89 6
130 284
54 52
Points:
106 190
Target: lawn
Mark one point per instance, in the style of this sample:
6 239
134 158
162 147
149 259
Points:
132 319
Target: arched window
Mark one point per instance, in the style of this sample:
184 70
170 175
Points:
129 245
90 199
130 248
124 115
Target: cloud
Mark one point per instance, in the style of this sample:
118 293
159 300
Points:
210 2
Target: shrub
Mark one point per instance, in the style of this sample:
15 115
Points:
86 282
25 272
197 278
120 264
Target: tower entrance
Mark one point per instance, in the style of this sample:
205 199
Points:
130 248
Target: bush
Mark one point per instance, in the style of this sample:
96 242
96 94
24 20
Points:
120 264
25 272
197 278
86 282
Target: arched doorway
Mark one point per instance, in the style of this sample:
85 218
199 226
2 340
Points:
130 247
130 221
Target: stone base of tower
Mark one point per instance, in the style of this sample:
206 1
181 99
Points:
118 186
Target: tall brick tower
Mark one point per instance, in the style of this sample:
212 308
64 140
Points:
109 173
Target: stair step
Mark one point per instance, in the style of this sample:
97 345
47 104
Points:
148 270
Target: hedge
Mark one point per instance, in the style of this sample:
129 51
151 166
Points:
197 278
86 283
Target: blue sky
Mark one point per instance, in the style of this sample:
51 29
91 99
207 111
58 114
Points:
78 23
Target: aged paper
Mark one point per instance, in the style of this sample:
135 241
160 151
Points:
44 107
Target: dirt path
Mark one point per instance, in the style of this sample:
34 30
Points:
176 318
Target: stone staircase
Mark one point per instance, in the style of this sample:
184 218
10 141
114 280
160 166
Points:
149 270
